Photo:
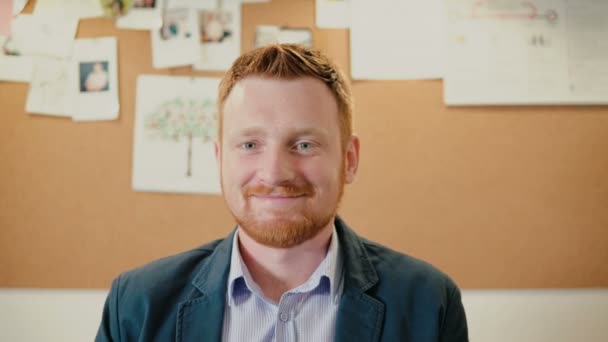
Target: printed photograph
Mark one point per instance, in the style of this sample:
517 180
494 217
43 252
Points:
215 25
94 76
175 24
115 8
144 3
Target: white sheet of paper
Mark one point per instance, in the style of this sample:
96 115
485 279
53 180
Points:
47 36
332 14
176 42
94 80
14 65
295 36
220 32
396 39
271 34
509 52
69 8
175 128
142 16
18 6
15 68
49 92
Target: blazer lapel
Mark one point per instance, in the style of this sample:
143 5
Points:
360 316
200 318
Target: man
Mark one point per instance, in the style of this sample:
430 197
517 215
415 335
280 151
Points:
292 270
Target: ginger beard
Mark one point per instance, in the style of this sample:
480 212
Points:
288 227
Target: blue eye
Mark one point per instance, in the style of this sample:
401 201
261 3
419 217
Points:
248 145
304 146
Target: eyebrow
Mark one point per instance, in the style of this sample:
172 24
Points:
261 131
249 132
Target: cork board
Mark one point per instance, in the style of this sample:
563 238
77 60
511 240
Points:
498 197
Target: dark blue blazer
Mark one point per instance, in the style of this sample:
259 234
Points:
388 296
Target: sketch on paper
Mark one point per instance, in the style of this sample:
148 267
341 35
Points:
49 91
182 119
175 128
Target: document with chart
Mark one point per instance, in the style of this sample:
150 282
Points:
526 52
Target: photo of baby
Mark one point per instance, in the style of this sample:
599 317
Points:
215 25
94 77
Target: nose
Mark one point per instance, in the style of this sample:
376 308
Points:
276 166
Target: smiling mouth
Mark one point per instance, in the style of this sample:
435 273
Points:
279 200
278 197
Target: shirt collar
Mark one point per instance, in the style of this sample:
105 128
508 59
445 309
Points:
330 267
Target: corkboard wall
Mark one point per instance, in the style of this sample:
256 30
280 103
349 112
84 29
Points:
498 197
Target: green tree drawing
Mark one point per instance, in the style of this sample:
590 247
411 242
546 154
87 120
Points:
179 119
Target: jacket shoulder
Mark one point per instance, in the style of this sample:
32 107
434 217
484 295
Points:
175 271
396 267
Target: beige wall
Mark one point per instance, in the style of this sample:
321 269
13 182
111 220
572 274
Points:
493 315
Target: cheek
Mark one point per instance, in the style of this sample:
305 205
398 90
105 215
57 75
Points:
324 175
236 172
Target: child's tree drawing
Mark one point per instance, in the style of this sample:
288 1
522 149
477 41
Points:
180 119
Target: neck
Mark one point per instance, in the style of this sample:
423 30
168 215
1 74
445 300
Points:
277 270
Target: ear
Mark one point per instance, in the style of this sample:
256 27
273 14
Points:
218 155
351 159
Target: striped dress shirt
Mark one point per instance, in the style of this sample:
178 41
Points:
305 313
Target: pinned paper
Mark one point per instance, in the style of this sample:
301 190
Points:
220 34
143 15
176 42
18 6
518 53
49 91
270 34
332 13
79 9
175 130
14 65
93 79
46 36
397 39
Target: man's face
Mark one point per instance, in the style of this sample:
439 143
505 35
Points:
282 166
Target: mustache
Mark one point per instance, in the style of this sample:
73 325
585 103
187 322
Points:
287 189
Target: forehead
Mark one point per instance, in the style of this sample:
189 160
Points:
279 103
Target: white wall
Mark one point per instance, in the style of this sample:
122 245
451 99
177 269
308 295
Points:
493 315
537 315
